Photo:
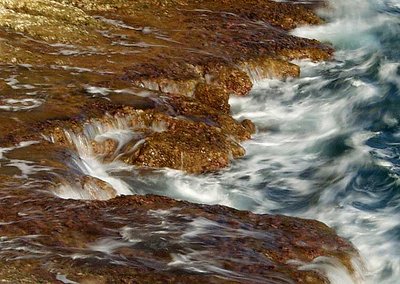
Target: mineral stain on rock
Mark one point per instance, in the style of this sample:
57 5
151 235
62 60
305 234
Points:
146 84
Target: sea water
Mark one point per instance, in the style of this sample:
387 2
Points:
327 145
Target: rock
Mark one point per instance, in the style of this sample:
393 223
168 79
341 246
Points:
156 239
161 72
186 135
86 188
233 80
185 145
195 111
262 68
186 65
213 96
47 20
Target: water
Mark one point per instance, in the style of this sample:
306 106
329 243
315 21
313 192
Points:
327 145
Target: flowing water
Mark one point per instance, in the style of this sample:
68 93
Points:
328 143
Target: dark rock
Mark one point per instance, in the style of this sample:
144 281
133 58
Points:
151 239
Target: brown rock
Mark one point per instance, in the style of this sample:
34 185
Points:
185 145
213 96
185 63
151 239
261 68
233 80
165 68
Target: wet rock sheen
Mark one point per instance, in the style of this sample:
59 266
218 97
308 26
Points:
160 73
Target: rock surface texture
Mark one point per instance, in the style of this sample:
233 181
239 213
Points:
73 73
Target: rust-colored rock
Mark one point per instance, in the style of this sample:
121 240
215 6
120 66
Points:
261 68
182 58
151 239
185 145
149 86
213 96
232 79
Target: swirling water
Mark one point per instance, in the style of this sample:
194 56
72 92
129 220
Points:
327 145
332 149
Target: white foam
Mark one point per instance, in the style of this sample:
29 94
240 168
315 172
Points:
350 24
107 245
389 72
367 231
27 167
93 90
89 164
20 104
117 23
332 269
63 278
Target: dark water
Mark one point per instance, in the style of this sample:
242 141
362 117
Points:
327 146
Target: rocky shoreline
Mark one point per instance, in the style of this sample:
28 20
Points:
162 71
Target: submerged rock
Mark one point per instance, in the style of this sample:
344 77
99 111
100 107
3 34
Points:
150 239
87 188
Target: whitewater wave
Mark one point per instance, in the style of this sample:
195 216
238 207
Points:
327 145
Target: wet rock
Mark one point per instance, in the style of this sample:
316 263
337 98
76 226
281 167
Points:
176 77
104 148
184 133
86 188
185 145
157 239
249 126
233 80
80 67
213 96
187 63
192 109
261 68
47 20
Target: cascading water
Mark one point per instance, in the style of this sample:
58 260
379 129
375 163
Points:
327 145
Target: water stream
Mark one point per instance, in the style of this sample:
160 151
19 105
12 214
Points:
327 145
